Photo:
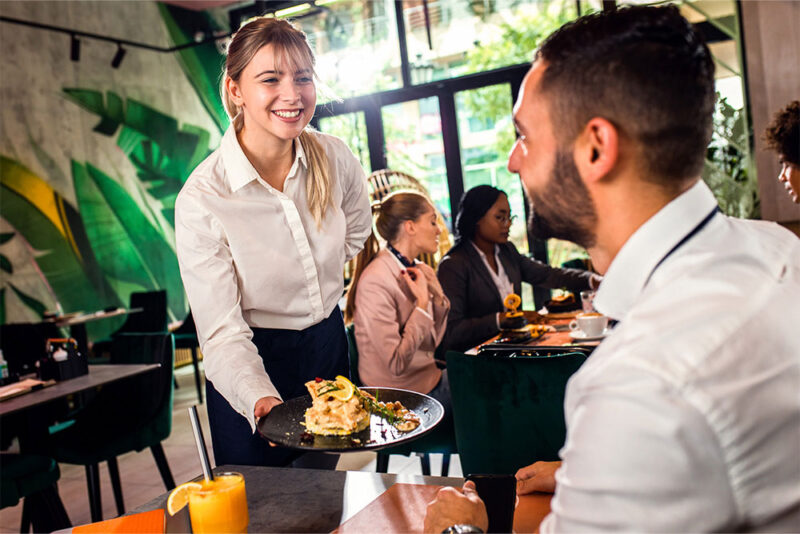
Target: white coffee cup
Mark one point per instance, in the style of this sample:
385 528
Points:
591 324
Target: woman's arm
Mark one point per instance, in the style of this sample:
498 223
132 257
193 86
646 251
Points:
462 331
230 358
383 341
440 302
538 273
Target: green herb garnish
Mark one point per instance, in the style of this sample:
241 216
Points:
374 407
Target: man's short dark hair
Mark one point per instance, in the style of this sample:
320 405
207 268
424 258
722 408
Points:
645 70
783 135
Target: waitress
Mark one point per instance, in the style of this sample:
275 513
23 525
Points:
263 228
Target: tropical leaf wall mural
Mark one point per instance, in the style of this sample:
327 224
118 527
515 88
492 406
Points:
88 218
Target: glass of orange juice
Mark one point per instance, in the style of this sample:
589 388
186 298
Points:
219 505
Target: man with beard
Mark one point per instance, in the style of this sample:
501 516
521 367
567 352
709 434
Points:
687 417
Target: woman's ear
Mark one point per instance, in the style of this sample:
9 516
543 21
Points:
409 227
596 149
234 91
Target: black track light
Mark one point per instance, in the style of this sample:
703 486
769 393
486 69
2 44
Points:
75 49
118 56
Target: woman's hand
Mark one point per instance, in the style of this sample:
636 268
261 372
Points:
434 287
540 476
264 405
418 284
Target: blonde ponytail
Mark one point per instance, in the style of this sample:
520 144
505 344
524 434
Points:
318 184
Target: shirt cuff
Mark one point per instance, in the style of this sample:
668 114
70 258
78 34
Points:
497 320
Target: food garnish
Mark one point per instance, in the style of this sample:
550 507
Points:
179 497
340 408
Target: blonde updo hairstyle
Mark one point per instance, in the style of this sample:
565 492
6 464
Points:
292 52
390 214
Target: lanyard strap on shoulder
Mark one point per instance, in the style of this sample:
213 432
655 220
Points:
683 241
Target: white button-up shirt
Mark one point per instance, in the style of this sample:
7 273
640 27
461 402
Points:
687 417
253 256
500 278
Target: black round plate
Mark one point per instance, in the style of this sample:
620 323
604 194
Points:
282 424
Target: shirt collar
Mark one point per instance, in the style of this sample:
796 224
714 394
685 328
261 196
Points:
480 252
630 269
238 168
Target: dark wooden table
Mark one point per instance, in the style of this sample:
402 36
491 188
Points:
311 500
98 375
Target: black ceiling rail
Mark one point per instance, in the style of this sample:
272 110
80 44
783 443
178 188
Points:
115 40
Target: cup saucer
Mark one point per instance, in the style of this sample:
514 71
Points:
579 335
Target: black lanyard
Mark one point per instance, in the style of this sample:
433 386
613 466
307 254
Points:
683 241
405 261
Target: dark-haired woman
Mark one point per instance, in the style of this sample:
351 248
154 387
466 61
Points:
484 266
398 308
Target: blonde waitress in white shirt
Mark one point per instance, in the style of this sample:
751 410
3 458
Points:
263 228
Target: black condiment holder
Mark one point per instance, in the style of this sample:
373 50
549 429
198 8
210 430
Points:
75 365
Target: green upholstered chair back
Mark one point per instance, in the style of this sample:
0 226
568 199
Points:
509 412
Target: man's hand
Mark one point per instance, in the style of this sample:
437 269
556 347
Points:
456 507
264 405
540 476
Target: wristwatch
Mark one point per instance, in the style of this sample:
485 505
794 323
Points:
462 529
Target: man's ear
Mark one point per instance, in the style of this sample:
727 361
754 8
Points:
596 149
234 91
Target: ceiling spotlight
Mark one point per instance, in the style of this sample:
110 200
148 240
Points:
75 49
118 56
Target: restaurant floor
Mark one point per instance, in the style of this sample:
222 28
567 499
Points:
139 474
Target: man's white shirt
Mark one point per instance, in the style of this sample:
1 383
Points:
253 256
687 417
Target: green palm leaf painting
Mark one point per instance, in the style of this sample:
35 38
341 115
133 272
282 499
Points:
55 229
163 153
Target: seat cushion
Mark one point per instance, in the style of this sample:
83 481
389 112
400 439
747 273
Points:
25 474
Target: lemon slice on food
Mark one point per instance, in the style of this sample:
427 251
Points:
346 389
180 496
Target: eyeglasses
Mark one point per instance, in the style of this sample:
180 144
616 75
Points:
502 219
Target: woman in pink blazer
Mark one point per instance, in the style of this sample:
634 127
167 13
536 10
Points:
396 304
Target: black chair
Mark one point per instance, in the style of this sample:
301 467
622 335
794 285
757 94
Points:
126 416
33 478
441 440
186 338
509 411
152 318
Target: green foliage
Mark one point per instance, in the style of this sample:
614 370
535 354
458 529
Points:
201 64
728 166
514 46
163 153
53 227
128 246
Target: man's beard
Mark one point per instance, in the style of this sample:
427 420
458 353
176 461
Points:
568 212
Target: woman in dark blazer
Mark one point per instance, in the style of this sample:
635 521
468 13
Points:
484 266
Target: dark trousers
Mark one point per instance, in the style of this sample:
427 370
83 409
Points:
291 358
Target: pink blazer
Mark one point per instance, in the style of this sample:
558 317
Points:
396 339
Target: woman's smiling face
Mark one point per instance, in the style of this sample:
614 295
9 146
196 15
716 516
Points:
276 97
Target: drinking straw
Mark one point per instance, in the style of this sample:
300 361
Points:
201 444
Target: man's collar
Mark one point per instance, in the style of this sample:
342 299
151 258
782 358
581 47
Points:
238 168
641 253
